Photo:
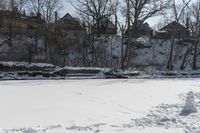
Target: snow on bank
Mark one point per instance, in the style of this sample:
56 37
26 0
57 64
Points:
26 64
37 71
91 106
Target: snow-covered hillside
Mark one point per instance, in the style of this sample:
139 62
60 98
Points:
150 53
156 52
98 106
146 54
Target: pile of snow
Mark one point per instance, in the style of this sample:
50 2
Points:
143 39
100 75
84 68
189 105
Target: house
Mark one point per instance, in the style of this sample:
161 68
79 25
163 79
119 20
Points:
21 23
143 30
68 27
69 23
106 27
173 29
33 21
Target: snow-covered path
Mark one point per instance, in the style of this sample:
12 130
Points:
91 106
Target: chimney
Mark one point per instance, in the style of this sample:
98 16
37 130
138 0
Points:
56 17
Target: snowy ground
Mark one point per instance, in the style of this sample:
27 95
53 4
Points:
92 106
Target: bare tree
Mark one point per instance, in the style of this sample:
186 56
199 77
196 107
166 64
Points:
177 14
36 6
128 47
195 11
2 4
49 8
140 11
10 24
20 4
95 9
10 4
179 9
123 25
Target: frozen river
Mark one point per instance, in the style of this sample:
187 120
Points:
97 106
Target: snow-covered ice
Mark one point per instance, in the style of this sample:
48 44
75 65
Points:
92 106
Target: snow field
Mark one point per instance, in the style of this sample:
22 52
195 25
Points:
105 106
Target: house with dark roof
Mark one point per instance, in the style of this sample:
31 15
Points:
107 27
21 23
143 30
173 29
70 23
70 29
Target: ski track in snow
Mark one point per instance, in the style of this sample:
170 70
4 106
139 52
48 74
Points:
164 115
168 116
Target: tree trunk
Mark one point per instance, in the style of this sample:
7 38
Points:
127 51
122 49
184 58
98 29
30 54
194 65
64 60
170 63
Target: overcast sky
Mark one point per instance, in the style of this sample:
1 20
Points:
67 8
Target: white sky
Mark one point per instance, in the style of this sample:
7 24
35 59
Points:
67 8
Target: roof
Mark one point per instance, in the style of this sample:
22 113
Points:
69 19
67 16
106 22
23 16
174 26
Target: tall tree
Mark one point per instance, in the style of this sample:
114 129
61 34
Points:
140 11
20 4
2 4
95 9
49 9
36 6
177 14
195 11
128 47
